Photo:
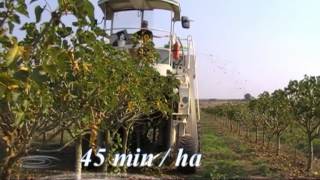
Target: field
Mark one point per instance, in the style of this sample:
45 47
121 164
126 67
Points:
230 155
226 156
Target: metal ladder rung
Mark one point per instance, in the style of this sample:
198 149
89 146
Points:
179 114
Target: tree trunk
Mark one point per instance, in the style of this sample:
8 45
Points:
125 145
269 140
278 144
7 166
61 137
78 164
125 140
6 170
44 138
295 156
231 127
263 135
295 152
256 134
108 143
310 153
154 135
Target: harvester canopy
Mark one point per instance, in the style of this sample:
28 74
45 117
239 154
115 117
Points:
112 6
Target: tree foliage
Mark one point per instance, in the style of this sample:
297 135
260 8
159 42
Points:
65 77
297 105
304 99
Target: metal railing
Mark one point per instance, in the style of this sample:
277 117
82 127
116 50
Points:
162 41
189 43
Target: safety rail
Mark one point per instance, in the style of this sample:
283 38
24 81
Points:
188 43
133 28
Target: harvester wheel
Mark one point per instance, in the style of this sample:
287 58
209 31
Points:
189 146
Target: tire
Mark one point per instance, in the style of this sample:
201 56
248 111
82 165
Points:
189 146
166 135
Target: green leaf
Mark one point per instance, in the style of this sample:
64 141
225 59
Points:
16 19
99 31
15 96
38 12
89 8
23 9
25 104
5 41
75 23
21 75
12 54
11 26
6 80
64 32
32 1
38 77
50 69
19 118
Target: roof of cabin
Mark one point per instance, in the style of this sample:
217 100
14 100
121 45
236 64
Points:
111 6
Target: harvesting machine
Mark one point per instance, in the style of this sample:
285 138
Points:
123 18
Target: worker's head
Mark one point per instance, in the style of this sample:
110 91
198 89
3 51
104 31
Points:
144 24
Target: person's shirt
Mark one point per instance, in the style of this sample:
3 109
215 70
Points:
145 35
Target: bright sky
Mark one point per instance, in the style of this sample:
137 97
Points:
256 45
249 46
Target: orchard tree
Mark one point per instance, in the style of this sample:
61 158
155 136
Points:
248 97
304 98
279 115
65 77
254 117
141 94
263 105
25 103
243 117
231 115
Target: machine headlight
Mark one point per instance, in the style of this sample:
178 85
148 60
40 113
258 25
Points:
185 100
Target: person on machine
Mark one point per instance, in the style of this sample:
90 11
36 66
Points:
121 38
145 34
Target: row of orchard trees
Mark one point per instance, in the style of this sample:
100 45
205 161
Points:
297 105
62 76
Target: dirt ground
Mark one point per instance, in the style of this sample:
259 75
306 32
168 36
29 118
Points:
226 155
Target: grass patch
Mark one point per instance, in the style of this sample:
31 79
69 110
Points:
212 143
220 160
262 168
226 169
227 156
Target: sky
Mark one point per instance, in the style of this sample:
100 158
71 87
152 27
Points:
250 46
